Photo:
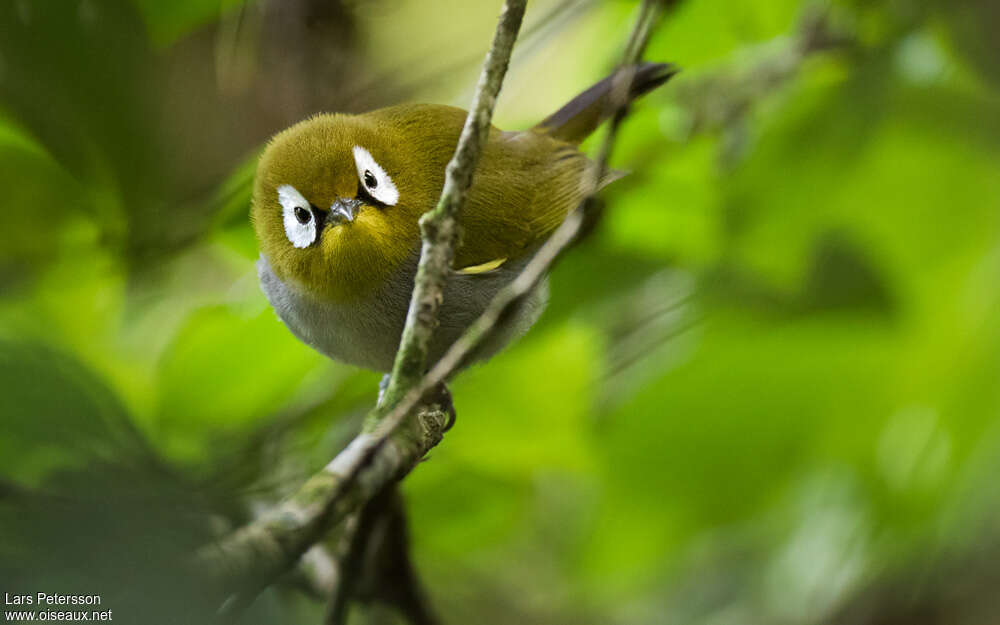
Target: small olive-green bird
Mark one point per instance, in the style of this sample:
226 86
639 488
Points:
337 198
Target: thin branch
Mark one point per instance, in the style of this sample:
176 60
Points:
543 260
439 227
254 555
391 444
377 567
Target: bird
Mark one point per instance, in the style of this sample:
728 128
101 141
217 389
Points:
335 207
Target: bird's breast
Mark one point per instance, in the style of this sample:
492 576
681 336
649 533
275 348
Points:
366 331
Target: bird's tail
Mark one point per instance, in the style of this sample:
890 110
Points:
584 113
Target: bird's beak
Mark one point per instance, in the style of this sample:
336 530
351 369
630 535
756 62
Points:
343 210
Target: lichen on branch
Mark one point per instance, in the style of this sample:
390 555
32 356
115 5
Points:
256 554
402 429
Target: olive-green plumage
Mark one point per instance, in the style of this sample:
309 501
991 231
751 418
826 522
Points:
358 234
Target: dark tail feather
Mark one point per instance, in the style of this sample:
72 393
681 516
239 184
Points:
584 113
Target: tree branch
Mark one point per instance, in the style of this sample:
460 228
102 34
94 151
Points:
543 260
253 556
256 554
439 227
390 444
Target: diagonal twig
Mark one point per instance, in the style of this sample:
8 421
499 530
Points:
391 444
440 227
257 553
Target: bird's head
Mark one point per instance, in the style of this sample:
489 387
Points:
337 198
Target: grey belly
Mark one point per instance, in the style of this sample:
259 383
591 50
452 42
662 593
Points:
366 332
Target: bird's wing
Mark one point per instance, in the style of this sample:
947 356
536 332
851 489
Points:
525 185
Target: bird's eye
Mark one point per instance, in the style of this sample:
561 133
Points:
300 227
375 179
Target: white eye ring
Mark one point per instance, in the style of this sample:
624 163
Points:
376 182
293 205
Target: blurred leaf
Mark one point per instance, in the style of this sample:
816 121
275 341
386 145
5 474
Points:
168 21
223 372
57 415
765 390
504 435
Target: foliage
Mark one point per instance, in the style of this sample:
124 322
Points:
765 386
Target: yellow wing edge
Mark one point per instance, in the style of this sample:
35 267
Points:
482 267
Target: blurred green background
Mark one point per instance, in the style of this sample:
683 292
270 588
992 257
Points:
767 388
